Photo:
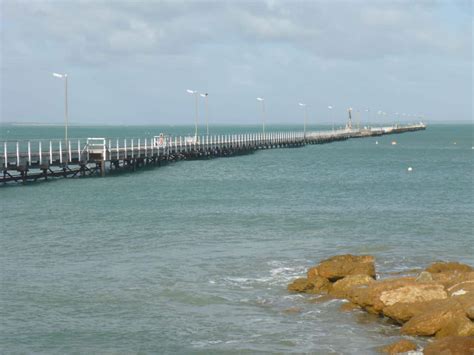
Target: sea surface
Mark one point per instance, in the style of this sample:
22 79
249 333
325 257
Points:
195 256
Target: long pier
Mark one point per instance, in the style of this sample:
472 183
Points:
33 160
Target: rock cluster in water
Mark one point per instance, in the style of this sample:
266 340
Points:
438 302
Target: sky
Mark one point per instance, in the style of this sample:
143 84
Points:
131 62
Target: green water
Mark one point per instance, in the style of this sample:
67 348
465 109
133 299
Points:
194 257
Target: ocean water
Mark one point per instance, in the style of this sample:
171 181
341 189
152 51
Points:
195 257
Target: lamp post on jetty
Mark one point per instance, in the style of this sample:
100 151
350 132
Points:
195 93
205 96
262 100
66 119
305 118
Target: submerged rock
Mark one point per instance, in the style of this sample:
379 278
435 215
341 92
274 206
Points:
401 346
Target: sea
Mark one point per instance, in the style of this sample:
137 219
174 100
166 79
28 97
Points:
195 257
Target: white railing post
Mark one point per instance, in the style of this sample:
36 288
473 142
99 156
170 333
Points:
5 155
50 152
40 153
79 157
132 149
29 153
60 152
69 151
117 149
125 148
17 153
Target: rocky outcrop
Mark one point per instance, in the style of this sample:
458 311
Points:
401 346
439 301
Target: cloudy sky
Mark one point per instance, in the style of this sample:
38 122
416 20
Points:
132 61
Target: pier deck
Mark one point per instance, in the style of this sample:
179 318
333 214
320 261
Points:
33 160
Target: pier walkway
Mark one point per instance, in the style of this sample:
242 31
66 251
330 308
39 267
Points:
32 160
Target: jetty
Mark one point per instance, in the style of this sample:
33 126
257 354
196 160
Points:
32 160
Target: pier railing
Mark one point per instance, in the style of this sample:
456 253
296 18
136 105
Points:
20 159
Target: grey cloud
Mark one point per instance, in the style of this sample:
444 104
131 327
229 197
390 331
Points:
97 31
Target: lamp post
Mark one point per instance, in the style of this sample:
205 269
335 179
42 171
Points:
66 118
305 118
262 100
205 96
195 93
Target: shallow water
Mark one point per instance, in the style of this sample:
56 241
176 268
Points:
195 256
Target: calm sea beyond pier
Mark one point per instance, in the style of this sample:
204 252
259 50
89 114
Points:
194 254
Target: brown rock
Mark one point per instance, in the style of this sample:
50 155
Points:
424 276
403 312
292 310
461 288
451 346
448 267
470 312
340 266
317 284
320 285
401 346
460 326
348 306
377 295
341 287
411 293
434 319
312 272
300 285
449 279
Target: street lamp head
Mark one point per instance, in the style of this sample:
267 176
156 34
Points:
301 104
57 75
192 92
204 95
260 99
330 107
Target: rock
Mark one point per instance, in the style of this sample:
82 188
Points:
424 276
448 267
461 288
451 346
434 319
348 306
377 295
292 310
449 279
317 284
312 272
401 346
300 285
461 326
411 293
403 312
470 312
341 287
340 266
